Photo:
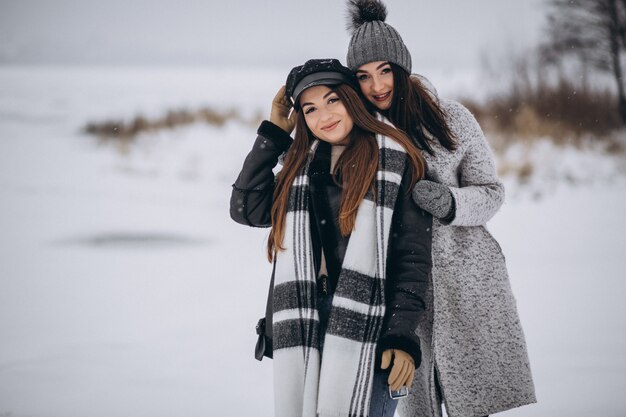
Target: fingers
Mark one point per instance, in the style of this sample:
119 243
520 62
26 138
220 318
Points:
399 374
386 360
395 370
292 117
291 122
279 114
409 381
279 95
281 98
402 371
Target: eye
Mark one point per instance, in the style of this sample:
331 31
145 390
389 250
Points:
309 110
362 77
332 100
386 70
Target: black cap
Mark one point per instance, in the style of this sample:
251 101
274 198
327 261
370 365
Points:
317 72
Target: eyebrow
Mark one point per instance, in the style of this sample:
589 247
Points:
311 104
378 67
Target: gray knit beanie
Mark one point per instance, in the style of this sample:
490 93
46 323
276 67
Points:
373 39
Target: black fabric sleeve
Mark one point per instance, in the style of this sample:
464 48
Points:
252 194
408 269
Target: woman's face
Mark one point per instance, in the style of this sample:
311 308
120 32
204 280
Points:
325 115
376 81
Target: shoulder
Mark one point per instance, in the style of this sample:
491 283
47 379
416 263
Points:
394 158
457 115
387 143
462 123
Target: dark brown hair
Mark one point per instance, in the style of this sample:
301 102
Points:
413 109
357 164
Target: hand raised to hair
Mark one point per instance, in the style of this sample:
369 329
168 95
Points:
402 370
281 105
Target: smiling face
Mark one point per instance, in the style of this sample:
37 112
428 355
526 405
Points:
325 115
376 81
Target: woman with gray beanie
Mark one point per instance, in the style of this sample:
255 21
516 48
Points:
474 356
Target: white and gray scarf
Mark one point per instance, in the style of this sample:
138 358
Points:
340 384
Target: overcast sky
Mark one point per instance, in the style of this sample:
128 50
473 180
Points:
441 33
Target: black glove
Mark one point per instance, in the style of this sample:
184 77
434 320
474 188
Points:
435 198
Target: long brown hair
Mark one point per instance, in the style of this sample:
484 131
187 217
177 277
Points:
357 164
414 109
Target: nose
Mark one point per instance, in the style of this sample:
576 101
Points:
324 114
376 84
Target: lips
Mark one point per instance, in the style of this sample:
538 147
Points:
330 126
382 97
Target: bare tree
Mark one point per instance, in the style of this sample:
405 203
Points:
592 31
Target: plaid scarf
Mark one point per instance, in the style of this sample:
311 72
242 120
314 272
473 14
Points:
340 384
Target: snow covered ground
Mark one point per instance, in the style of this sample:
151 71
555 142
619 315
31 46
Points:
126 290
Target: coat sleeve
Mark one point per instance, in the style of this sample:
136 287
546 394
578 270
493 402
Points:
408 269
253 191
480 193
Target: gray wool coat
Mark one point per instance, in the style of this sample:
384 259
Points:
471 334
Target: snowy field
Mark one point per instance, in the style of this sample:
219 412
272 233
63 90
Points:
127 291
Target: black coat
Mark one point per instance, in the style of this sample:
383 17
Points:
409 263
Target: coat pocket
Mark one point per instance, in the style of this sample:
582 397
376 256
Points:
497 249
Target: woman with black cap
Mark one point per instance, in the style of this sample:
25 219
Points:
474 351
351 250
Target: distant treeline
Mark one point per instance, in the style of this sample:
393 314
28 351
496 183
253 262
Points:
557 108
127 130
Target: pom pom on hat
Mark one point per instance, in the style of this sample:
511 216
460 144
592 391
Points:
372 39
363 11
